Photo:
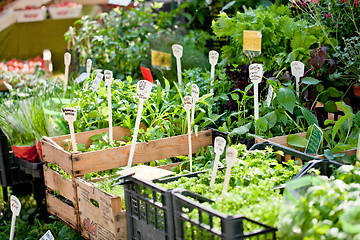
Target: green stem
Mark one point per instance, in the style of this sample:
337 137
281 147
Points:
297 125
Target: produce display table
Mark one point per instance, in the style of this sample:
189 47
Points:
26 40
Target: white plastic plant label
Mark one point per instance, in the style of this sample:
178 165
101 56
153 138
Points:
108 77
187 103
195 92
231 156
213 57
177 50
88 66
47 236
81 78
67 59
123 3
255 72
143 89
297 69
96 83
15 205
69 114
219 145
269 95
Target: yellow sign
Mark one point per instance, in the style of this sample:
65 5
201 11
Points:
160 59
252 41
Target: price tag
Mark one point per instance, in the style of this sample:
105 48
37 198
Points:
81 78
297 70
69 114
195 97
123 3
252 41
178 52
88 67
96 83
160 59
15 206
143 89
143 93
47 236
147 74
219 147
108 77
231 155
46 55
315 140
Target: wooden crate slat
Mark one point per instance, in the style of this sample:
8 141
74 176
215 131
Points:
108 219
61 210
84 137
144 152
57 182
57 156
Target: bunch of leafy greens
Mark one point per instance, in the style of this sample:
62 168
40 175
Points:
252 178
329 208
283 39
22 121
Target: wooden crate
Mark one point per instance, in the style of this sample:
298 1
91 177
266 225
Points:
78 164
281 140
105 221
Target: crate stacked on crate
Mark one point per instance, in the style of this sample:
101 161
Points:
69 198
154 212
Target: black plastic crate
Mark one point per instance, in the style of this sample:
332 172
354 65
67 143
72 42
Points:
229 226
149 210
288 152
207 223
325 166
6 170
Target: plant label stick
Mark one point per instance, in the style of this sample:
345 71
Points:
231 155
269 95
255 74
67 61
143 93
47 236
178 52
195 97
213 59
96 83
219 147
15 206
69 114
297 70
187 106
108 81
88 67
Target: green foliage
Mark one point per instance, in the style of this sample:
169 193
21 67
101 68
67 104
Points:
325 208
283 39
254 174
